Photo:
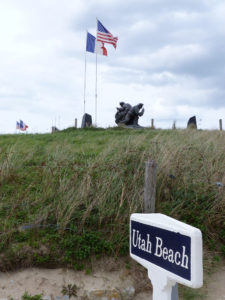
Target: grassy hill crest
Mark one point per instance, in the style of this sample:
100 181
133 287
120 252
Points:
67 196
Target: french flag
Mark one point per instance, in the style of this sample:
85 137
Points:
23 126
95 46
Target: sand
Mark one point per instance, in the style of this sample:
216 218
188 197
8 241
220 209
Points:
50 282
216 285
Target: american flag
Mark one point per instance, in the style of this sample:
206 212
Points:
104 36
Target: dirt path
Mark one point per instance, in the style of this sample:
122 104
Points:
216 285
50 282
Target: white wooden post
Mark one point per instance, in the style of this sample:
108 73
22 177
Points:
149 203
174 294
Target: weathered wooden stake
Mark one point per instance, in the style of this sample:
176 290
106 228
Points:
152 123
76 123
150 187
221 125
174 125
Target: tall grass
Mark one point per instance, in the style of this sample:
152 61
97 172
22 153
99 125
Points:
77 189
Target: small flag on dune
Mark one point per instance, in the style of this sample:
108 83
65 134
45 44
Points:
21 125
94 46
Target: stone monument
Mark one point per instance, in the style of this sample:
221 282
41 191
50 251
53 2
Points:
192 123
54 129
86 121
128 115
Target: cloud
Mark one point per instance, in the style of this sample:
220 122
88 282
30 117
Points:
170 56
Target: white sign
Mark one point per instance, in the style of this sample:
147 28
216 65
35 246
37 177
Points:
169 249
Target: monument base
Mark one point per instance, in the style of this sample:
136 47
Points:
130 126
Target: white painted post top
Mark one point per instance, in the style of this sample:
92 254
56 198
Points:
171 251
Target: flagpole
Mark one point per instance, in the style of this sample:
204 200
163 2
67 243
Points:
96 78
96 89
85 71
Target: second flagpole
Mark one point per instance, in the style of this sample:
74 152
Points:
85 73
96 89
96 78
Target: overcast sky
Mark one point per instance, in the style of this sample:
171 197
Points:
170 56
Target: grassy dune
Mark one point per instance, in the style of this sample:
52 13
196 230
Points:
67 196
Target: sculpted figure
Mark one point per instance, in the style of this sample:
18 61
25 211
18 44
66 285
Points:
129 115
122 111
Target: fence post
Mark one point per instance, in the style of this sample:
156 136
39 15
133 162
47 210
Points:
174 125
221 125
150 187
76 123
152 123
